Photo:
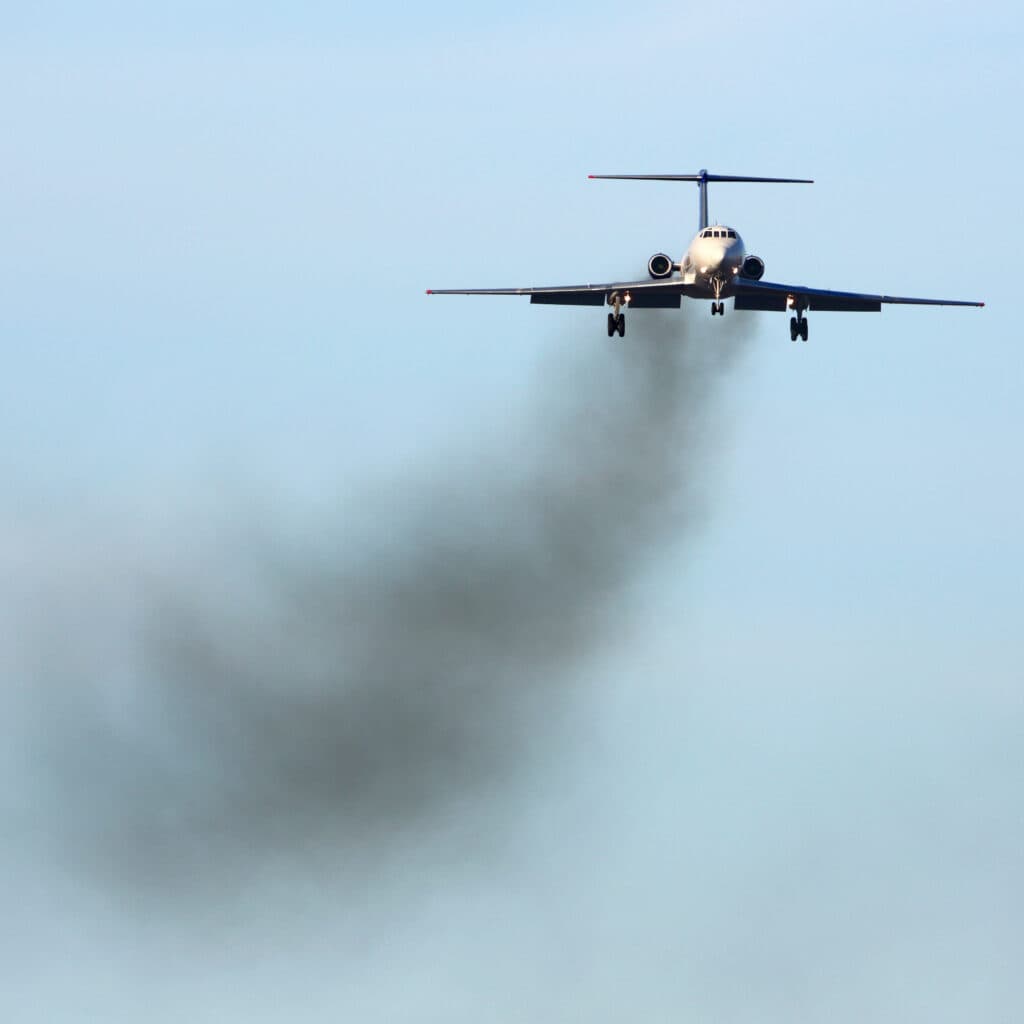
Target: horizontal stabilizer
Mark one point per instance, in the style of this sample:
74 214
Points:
703 176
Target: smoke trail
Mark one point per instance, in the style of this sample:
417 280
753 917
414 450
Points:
318 702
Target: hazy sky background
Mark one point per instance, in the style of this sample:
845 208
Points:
780 776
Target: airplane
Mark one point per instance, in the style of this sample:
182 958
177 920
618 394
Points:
715 266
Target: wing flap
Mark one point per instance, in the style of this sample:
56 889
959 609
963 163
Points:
568 298
655 300
768 303
838 303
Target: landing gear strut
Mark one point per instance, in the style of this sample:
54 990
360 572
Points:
798 323
616 320
718 307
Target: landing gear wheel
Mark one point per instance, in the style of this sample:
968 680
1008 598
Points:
620 325
611 325
803 329
794 328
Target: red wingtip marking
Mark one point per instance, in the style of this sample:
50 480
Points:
591 175
983 305
430 291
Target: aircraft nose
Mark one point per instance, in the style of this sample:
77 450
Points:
734 251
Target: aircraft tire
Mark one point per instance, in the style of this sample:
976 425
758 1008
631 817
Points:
621 325
611 325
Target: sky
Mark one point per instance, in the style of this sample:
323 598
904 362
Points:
377 656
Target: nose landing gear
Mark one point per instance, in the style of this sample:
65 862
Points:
717 286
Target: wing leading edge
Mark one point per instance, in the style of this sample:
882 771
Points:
766 295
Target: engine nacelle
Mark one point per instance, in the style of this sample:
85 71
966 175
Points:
660 265
753 267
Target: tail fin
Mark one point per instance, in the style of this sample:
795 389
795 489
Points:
702 178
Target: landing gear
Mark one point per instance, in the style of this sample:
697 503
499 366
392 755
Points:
616 325
717 287
798 323
617 319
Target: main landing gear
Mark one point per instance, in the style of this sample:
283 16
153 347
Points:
718 307
617 320
798 323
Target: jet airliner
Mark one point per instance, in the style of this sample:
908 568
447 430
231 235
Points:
715 266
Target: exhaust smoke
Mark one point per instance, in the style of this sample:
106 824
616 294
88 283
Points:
318 707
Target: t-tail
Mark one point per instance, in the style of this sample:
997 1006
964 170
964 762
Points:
702 178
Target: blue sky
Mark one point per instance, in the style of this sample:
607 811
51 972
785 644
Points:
788 787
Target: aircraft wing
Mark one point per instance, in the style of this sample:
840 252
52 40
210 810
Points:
766 295
635 294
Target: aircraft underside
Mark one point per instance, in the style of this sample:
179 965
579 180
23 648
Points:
798 327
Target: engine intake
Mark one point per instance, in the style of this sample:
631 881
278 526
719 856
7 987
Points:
753 267
660 265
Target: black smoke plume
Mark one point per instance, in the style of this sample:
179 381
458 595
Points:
324 701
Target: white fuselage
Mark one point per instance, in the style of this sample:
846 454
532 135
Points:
713 260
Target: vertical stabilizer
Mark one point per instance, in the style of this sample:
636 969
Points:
702 185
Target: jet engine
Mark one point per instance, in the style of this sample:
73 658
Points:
660 265
753 267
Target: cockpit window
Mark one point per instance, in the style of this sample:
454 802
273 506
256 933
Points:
731 234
